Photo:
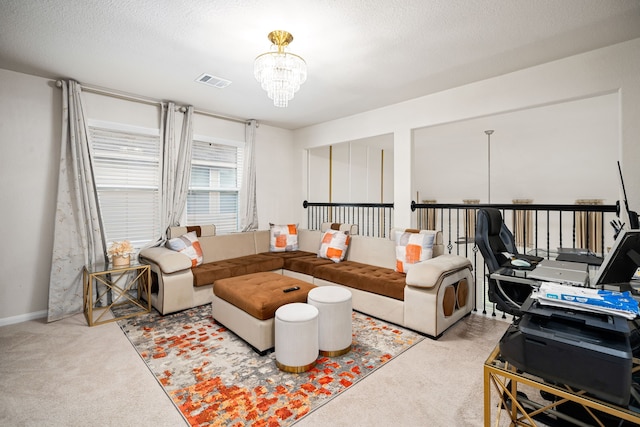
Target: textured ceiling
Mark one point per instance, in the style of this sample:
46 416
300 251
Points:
361 54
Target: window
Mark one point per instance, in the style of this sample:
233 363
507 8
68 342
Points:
126 165
216 175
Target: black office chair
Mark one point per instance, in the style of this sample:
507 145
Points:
493 238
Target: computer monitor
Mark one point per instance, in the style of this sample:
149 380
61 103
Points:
632 216
623 260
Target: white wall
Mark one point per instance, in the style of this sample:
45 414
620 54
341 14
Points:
116 110
551 154
615 69
356 169
319 188
30 130
277 170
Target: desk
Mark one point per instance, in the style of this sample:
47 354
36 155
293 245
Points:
522 275
507 274
106 286
498 373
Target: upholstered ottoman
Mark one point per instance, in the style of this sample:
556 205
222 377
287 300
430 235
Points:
246 304
296 331
334 320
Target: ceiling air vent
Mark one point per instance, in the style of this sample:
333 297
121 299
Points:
214 81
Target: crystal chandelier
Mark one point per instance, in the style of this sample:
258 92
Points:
280 73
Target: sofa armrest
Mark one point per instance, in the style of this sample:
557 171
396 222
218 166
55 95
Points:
430 273
167 260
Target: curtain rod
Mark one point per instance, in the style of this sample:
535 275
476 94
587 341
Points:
115 94
151 101
218 116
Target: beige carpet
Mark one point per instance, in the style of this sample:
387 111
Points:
435 383
68 374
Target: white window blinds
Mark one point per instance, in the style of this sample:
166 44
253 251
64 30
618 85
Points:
126 165
216 174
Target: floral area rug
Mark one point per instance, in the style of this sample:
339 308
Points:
216 379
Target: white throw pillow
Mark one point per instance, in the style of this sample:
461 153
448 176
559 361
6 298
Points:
413 247
334 245
283 238
189 245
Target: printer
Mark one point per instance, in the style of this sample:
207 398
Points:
587 351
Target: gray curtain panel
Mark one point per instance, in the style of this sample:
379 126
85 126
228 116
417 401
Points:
248 205
176 167
78 234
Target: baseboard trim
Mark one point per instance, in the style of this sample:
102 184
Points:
23 318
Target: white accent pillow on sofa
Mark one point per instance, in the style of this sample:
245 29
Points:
413 247
189 245
283 238
334 245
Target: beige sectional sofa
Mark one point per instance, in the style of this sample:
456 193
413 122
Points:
431 297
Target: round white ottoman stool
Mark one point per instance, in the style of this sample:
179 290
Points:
334 321
296 337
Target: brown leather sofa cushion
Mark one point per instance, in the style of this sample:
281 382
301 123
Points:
210 272
288 254
305 264
261 294
370 278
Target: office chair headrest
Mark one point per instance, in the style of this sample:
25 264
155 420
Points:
494 220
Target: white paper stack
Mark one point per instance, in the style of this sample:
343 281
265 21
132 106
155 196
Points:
587 299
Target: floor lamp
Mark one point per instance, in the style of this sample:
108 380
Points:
488 132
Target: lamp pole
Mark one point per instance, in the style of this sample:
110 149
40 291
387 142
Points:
488 132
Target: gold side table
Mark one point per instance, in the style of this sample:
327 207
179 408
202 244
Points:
505 379
106 286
